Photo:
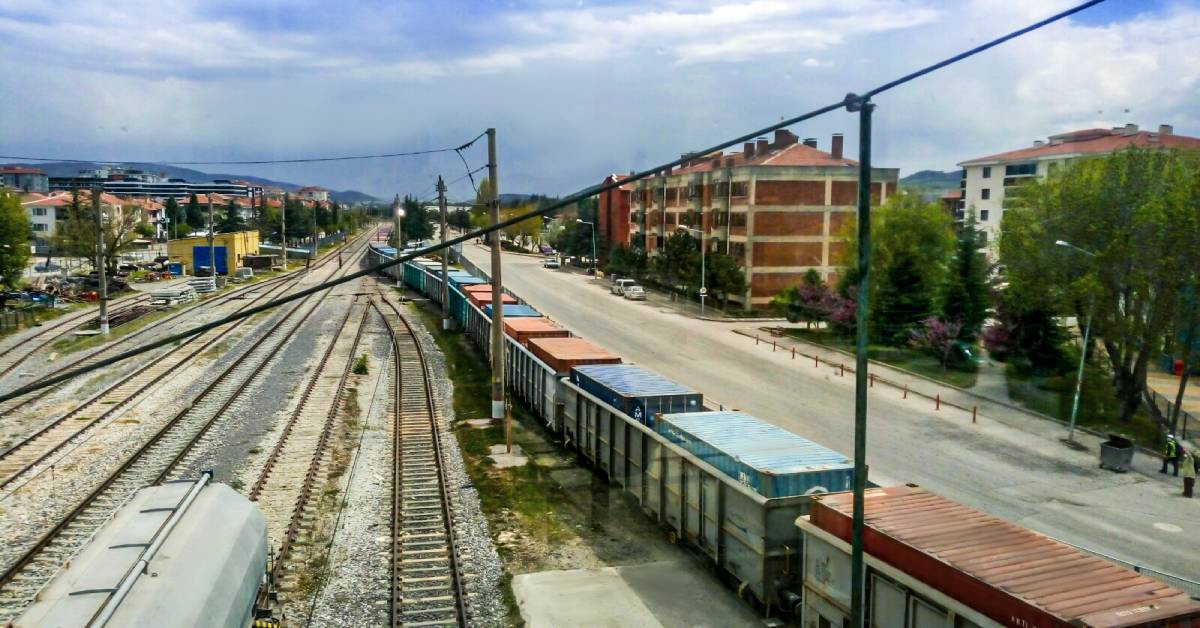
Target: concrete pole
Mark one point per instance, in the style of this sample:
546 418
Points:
441 189
212 245
498 405
283 231
96 194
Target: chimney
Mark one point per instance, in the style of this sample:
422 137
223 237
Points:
716 162
748 149
836 151
1165 129
1038 143
1129 129
729 162
762 146
784 137
810 142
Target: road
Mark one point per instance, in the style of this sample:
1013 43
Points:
1015 468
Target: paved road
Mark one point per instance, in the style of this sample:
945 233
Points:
1015 468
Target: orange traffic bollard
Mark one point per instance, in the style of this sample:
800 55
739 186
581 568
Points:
793 353
906 391
772 346
938 402
974 411
843 373
872 384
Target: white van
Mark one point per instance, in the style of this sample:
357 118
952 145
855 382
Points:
619 285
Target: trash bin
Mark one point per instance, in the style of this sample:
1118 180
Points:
1116 453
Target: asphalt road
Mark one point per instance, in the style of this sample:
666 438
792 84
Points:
1014 467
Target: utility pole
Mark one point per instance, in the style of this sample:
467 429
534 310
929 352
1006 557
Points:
498 406
212 246
441 189
283 231
96 193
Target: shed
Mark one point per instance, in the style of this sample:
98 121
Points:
769 459
231 249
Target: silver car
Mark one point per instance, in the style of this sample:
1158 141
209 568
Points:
634 292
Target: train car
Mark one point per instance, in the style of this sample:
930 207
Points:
481 298
751 538
524 328
637 392
433 287
459 281
931 561
187 553
414 276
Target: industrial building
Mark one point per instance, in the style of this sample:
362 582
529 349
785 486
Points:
230 249
778 207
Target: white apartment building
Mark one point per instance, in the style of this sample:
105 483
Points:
986 181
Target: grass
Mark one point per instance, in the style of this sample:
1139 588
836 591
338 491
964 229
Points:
42 315
902 357
1099 408
521 499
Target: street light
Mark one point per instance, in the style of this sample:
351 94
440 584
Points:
703 269
593 226
1087 331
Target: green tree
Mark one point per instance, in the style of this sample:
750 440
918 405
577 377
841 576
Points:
725 277
197 216
804 302
14 239
901 303
176 217
322 217
299 218
417 220
678 266
1136 211
231 218
965 299
144 230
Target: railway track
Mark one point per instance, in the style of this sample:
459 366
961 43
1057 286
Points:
16 354
59 433
152 462
428 587
12 405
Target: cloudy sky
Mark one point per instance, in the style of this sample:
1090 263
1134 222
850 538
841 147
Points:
576 90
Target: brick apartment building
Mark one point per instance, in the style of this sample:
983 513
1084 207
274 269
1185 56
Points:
612 212
778 207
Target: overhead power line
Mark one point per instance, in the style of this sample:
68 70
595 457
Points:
851 101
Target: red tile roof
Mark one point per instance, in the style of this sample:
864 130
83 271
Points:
20 170
952 195
1091 142
792 155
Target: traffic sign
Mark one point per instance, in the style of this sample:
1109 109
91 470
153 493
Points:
703 291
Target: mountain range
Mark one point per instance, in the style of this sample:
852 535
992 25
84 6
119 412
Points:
932 184
72 168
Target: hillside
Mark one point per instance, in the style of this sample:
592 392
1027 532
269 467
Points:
932 184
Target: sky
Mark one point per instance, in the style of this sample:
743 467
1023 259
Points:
575 90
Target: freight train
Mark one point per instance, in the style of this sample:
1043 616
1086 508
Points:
756 500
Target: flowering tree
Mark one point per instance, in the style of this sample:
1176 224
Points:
936 336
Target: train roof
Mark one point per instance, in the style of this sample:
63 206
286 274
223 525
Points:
205 574
1010 573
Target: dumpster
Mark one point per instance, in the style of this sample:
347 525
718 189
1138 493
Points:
1116 453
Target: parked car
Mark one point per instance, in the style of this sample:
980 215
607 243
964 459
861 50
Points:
619 285
634 292
551 262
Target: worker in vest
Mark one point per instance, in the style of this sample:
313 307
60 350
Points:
1189 473
1170 455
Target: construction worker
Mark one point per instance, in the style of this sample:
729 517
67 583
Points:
1189 474
1170 455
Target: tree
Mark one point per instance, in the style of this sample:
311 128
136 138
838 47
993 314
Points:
725 277
679 264
805 301
901 302
417 225
231 218
1136 211
299 218
965 298
322 217
175 215
196 215
144 230
938 337
14 239
526 230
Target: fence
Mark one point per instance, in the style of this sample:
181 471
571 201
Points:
14 319
1165 405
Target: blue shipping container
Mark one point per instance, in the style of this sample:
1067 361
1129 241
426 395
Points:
636 391
465 281
513 310
769 459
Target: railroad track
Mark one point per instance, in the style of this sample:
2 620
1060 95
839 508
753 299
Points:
428 587
152 462
54 436
12 405
16 354
301 461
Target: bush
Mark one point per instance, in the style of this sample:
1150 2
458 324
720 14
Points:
360 365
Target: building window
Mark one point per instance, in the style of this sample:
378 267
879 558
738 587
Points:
987 172
39 211
41 226
983 237
740 188
983 215
985 193
737 219
1017 170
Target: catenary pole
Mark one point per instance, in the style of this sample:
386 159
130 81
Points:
864 107
212 245
97 192
441 189
498 409
283 231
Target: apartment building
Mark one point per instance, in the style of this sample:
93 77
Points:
778 207
612 211
313 193
988 181
23 179
46 211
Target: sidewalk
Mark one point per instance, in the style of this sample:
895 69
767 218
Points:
941 397
1167 385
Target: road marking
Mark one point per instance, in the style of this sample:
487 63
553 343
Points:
1168 527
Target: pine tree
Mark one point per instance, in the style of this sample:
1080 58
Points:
195 215
231 219
965 298
901 302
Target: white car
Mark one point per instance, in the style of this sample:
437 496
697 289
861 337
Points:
551 262
619 285
634 292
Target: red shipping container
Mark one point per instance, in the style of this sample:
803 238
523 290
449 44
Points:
480 299
1011 574
523 328
561 354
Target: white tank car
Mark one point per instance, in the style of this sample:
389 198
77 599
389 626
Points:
186 553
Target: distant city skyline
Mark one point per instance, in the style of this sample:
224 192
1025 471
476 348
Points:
576 92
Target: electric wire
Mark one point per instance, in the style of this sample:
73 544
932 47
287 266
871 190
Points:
851 101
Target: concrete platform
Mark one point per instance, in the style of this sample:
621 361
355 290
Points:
647 595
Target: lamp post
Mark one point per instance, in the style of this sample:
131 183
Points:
703 267
400 243
593 226
1087 332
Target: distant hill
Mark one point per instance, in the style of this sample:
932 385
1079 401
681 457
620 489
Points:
71 168
932 184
